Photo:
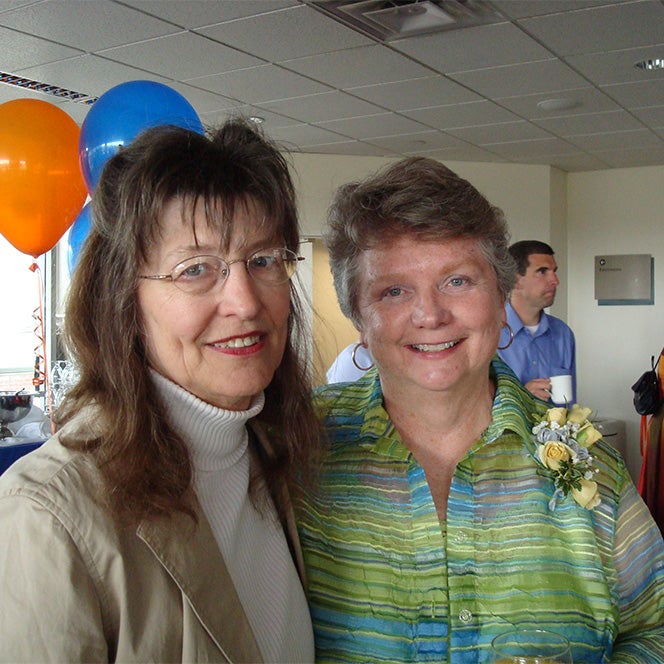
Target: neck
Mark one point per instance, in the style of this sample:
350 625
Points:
439 428
447 422
528 314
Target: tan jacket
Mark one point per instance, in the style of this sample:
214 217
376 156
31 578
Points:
77 588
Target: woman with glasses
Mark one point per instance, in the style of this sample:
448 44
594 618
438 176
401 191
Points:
156 524
440 520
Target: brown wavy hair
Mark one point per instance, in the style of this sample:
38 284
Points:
145 463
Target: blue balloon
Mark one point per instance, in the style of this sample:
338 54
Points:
123 112
77 234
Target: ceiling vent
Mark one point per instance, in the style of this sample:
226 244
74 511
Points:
395 19
46 88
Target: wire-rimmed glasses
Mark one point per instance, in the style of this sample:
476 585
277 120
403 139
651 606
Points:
200 274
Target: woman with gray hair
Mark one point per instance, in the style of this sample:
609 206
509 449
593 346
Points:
452 506
156 525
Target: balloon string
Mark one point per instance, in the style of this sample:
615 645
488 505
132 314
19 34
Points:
41 376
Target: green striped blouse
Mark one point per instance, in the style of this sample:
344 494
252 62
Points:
387 583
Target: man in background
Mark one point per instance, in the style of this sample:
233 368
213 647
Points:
542 345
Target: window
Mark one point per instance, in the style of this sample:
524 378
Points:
19 294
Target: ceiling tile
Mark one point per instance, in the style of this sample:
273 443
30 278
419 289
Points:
302 31
414 143
8 93
196 13
523 8
649 156
588 100
415 93
538 149
353 67
324 87
635 138
461 115
298 136
637 95
259 84
181 56
204 101
464 152
588 30
19 51
325 106
99 74
523 79
587 123
271 119
105 24
499 132
618 66
357 148
576 162
8 5
374 126
473 48
653 116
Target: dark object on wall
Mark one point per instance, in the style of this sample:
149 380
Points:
651 478
646 391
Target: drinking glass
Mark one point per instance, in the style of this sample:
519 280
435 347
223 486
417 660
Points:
530 646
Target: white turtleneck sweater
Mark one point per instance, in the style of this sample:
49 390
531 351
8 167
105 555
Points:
254 546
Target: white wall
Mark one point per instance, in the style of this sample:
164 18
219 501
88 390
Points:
316 179
522 192
614 212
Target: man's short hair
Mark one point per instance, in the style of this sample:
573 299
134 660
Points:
522 250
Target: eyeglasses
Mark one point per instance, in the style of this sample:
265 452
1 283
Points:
200 274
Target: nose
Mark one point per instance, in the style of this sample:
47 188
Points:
430 310
239 294
554 279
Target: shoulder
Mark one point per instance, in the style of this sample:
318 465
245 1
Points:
559 326
352 411
346 397
514 408
57 484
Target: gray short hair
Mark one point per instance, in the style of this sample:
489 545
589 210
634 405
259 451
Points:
417 197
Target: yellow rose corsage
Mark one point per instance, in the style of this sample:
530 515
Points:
563 437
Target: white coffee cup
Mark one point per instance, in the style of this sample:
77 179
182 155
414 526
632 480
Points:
561 389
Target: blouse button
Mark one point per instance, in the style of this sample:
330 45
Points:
461 537
465 616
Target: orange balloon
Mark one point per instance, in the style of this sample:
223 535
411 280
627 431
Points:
41 185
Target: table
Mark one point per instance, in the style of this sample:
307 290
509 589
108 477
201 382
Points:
14 448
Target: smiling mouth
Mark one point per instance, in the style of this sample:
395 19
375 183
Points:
433 348
238 342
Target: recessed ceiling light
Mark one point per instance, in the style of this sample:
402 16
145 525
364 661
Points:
651 64
559 104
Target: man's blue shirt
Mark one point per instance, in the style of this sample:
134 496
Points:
549 352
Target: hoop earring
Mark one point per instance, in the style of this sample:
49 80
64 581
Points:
352 357
509 343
